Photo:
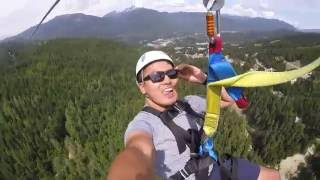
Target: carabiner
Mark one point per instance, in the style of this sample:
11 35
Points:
213 5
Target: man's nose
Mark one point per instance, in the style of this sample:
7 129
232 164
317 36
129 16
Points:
166 79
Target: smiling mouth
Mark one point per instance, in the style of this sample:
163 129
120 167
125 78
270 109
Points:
168 91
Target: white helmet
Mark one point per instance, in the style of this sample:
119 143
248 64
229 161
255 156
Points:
150 57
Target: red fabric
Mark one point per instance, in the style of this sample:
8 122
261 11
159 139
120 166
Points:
242 103
215 47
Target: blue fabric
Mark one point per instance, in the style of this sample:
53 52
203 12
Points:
207 147
220 68
235 92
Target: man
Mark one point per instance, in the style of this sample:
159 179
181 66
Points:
152 146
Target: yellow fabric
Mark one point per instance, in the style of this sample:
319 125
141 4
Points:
213 110
262 78
249 79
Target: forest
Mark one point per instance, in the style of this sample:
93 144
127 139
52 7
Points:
65 104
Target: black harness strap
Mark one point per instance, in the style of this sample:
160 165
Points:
182 137
199 166
192 139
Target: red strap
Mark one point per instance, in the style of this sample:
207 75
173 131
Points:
216 47
243 102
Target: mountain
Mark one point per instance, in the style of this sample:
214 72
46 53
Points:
141 23
311 30
69 25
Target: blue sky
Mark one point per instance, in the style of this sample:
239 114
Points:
18 15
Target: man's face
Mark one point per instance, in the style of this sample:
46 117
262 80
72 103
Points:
162 93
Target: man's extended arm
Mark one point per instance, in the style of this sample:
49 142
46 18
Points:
136 160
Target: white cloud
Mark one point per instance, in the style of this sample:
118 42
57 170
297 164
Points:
268 14
21 18
195 8
7 7
264 4
251 8
80 5
163 5
138 3
239 10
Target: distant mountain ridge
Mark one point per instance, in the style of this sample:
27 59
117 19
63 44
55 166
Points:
311 30
141 23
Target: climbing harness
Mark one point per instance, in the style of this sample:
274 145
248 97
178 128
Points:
198 163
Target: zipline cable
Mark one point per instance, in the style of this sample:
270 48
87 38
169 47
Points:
45 16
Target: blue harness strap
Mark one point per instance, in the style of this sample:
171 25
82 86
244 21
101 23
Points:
207 148
220 68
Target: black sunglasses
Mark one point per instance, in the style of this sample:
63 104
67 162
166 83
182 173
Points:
159 76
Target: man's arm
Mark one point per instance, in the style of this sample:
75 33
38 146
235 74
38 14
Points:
136 160
226 100
195 75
